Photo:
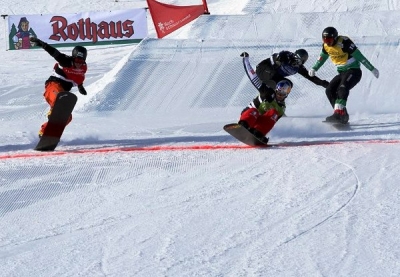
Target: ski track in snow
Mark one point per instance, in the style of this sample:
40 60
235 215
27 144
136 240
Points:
346 193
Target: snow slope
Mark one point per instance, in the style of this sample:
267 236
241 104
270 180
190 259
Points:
146 183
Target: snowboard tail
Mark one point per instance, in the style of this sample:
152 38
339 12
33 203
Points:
243 135
58 119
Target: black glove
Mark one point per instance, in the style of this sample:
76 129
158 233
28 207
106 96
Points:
82 90
244 54
324 84
37 41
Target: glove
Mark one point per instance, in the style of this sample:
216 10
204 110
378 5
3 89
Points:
324 84
82 90
244 54
37 41
311 72
375 72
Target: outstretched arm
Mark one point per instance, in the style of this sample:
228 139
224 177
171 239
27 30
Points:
321 60
250 72
319 82
48 48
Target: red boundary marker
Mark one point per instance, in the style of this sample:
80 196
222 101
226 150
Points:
184 148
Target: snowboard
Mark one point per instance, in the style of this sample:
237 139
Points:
338 125
62 109
242 134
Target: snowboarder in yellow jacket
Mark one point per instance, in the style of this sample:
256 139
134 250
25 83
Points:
347 58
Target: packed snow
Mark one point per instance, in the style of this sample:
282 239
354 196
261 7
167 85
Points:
145 182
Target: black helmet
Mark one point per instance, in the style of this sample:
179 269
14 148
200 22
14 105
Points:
328 34
302 53
79 52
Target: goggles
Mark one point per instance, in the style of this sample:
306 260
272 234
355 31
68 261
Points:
78 60
280 95
328 40
297 61
281 92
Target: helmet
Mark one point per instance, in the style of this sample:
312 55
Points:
79 52
302 54
282 89
330 36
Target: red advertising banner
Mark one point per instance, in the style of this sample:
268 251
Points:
168 18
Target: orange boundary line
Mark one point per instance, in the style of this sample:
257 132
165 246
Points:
182 148
122 149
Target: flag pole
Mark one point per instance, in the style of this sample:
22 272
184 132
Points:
205 7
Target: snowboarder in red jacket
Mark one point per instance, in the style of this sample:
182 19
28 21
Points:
68 72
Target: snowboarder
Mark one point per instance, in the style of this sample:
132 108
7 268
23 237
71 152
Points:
285 63
266 109
346 57
269 79
69 71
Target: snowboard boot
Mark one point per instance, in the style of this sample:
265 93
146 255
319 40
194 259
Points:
244 124
340 116
264 140
259 135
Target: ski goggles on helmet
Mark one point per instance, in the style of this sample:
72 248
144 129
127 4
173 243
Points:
79 60
297 61
328 40
281 95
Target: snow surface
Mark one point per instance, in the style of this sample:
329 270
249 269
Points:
146 183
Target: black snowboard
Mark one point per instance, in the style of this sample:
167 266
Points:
62 110
242 134
338 125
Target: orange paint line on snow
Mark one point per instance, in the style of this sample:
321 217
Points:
185 147
122 149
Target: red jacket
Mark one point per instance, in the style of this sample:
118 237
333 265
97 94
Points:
64 71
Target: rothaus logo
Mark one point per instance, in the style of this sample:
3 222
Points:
85 29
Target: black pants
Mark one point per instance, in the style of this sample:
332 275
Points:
341 84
